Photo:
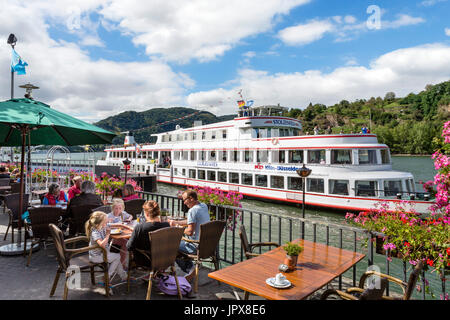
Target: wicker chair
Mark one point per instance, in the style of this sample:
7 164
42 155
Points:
407 287
164 244
134 207
12 202
4 182
248 247
210 233
72 258
15 187
367 294
79 216
105 209
38 229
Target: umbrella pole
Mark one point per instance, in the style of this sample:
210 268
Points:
21 185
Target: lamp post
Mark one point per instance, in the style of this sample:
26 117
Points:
303 172
126 163
12 41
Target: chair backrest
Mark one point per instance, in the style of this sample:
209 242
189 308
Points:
105 209
15 187
375 293
210 233
134 207
164 245
5 181
412 280
244 240
60 246
12 202
80 214
40 219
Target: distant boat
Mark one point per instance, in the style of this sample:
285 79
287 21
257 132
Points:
258 153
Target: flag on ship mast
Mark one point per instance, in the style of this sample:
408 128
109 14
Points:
249 103
137 148
241 104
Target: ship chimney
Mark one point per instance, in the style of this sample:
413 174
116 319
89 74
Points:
129 139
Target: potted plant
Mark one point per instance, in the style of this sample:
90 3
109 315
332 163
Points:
292 252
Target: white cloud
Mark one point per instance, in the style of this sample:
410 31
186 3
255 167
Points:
402 71
447 31
429 3
401 21
305 33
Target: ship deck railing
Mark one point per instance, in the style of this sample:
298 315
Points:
272 227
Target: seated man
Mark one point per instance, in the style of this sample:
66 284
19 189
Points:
86 197
54 195
198 214
4 172
75 189
139 238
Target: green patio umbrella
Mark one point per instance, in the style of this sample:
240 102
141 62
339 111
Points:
26 121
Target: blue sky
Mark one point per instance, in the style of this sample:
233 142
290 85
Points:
98 58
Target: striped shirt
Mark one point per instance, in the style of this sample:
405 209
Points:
97 235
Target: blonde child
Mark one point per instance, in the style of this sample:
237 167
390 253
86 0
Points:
98 233
117 218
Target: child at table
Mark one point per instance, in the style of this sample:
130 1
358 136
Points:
98 233
118 217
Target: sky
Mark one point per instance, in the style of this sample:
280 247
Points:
97 58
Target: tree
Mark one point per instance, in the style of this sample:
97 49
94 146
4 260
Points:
390 96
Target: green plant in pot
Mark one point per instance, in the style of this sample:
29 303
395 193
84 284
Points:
292 252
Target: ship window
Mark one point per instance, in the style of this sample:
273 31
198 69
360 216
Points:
315 156
247 179
236 156
170 137
295 183
269 132
213 135
284 132
260 180
192 173
295 156
255 133
341 156
315 185
211 175
275 132
222 176
277 182
183 172
366 188
385 156
279 156
392 187
144 154
248 156
193 155
155 154
201 174
186 136
212 155
223 155
203 135
234 177
176 155
175 171
202 155
338 187
224 134
410 185
367 156
179 137
263 133
185 155
262 155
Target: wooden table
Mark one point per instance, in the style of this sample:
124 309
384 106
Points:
317 265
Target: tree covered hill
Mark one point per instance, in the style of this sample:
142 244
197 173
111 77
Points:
408 125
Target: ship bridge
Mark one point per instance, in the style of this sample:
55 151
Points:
270 116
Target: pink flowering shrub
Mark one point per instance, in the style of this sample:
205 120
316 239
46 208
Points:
107 185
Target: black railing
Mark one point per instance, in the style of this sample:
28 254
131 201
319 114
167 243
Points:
269 227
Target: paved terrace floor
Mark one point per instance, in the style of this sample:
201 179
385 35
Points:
19 282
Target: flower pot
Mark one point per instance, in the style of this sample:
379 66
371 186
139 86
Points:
291 262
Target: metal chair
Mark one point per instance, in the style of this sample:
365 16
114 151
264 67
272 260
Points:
248 247
12 202
71 259
38 228
134 207
407 287
105 209
210 234
164 244
78 218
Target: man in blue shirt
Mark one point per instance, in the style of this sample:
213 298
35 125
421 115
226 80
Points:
198 214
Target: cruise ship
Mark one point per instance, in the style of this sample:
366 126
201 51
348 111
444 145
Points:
258 154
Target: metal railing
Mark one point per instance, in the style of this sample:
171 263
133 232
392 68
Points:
271 227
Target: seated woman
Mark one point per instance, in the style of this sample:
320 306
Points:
140 239
119 216
129 193
55 195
